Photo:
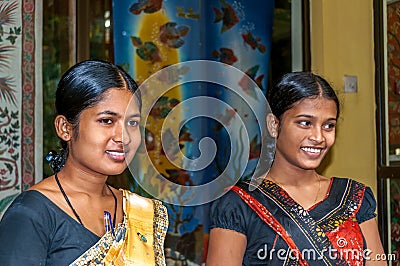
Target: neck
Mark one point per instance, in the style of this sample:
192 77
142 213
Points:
81 181
290 177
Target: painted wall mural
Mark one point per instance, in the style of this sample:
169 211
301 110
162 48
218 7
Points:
18 91
153 35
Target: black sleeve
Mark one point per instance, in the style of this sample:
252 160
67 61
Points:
367 208
230 212
24 235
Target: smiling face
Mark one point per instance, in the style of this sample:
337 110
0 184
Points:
307 132
107 138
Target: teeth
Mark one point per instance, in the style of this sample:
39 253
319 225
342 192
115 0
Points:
311 150
115 153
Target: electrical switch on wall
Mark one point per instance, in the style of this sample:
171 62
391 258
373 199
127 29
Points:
350 84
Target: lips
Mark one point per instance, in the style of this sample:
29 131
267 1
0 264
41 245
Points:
116 155
312 150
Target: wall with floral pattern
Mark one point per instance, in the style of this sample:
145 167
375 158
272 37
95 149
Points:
20 98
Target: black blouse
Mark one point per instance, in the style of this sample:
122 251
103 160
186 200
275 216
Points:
231 212
35 231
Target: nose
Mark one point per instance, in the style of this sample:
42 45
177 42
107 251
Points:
317 135
121 135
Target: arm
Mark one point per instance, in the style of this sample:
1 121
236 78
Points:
226 247
370 231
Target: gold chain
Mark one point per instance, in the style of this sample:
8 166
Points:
319 188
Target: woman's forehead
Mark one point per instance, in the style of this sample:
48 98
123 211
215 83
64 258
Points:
315 104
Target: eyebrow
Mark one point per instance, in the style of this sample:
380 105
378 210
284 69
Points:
134 115
311 116
108 112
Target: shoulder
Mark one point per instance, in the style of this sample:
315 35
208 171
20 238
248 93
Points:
28 215
343 184
366 199
231 212
230 199
228 203
355 187
30 207
30 199
346 180
46 186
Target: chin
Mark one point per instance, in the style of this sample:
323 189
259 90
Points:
117 170
311 166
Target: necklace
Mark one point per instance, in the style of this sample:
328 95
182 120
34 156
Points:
72 208
319 187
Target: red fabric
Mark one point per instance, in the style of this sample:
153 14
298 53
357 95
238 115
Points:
269 219
348 242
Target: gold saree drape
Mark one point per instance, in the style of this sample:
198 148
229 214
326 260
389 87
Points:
138 240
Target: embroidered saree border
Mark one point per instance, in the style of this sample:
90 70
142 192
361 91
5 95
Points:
269 219
314 236
97 253
160 226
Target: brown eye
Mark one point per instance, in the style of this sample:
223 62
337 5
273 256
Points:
107 121
133 123
329 126
304 123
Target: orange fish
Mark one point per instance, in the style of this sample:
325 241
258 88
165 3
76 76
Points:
147 51
255 146
147 6
227 15
170 34
171 145
179 176
185 135
253 42
225 55
172 75
163 106
225 119
244 84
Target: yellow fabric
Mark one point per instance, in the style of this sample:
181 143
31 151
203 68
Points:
140 221
139 239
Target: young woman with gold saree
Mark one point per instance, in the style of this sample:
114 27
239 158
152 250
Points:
74 217
297 216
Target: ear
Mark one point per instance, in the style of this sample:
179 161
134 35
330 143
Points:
272 125
63 127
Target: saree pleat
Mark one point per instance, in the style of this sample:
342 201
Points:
138 240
